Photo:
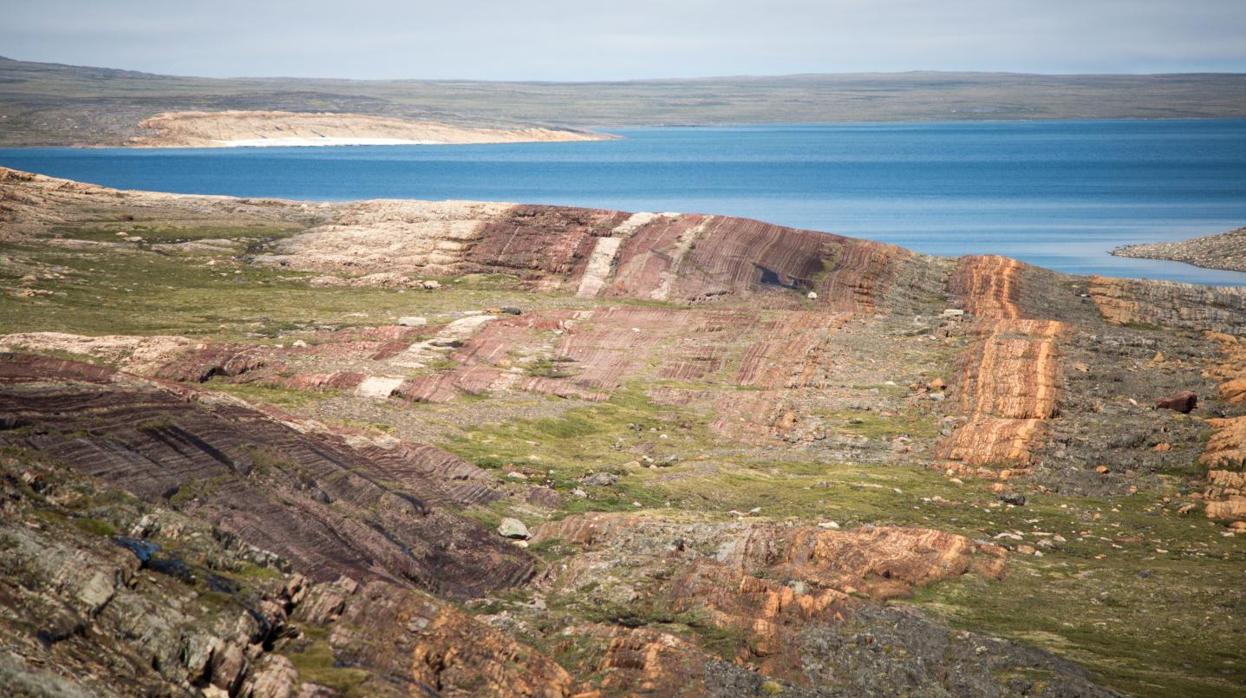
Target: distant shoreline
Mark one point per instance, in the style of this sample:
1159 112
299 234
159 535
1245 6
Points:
1223 251
45 104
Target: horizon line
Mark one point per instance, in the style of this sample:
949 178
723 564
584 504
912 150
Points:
740 76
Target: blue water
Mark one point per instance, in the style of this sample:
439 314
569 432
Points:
1058 194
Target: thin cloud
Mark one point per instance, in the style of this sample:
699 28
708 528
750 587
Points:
588 40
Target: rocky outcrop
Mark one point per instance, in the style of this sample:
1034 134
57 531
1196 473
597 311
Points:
1224 454
1225 494
106 595
988 286
103 596
737 589
413 644
1198 308
33 202
595 253
311 498
217 129
790 593
1221 251
1009 378
728 382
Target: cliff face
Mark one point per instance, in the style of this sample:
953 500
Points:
457 448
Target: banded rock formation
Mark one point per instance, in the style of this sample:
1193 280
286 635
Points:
1009 379
310 498
728 382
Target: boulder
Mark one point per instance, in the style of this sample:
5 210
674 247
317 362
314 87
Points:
1183 402
412 321
513 528
600 479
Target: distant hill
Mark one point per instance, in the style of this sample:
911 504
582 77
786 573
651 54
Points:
53 104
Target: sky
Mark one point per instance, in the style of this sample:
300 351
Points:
625 39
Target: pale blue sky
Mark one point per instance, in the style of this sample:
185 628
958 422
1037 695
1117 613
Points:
620 39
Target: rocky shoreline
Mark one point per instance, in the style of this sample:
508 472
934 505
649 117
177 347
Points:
1225 251
225 129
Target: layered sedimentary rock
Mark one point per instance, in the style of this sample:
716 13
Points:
148 600
1198 308
775 585
1225 494
417 645
729 382
988 286
676 257
1009 378
199 129
310 498
1224 454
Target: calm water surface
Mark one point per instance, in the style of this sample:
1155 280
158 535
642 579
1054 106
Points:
1058 194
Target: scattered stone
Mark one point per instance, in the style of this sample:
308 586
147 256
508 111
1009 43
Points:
812 295
952 313
1027 550
1163 447
511 310
600 479
298 344
1183 402
1102 469
513 528
430 285
831 525
1014 498
1238 526
412 321
936 384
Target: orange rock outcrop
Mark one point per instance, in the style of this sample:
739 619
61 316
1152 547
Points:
1009 378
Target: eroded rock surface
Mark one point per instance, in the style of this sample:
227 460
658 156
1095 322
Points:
748 459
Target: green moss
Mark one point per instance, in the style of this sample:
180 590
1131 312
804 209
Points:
873 425
549 368
107 231
272 394
98 527
315 662
1146 622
